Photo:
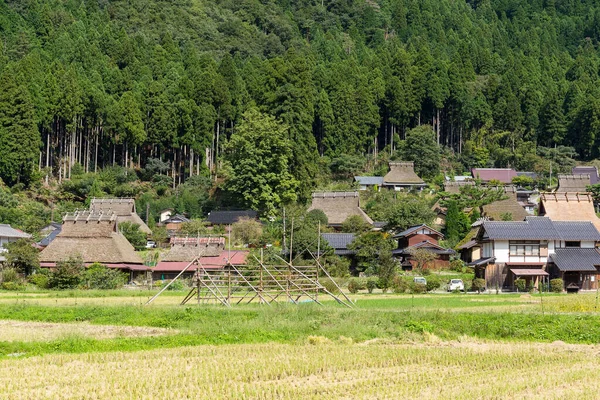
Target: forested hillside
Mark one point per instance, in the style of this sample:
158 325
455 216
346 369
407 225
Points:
90 84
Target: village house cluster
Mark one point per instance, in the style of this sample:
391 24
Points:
527 235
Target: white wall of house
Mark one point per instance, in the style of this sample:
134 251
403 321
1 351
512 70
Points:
501 251
487 250
5 240
585 244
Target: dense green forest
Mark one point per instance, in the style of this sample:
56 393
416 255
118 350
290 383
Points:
165 87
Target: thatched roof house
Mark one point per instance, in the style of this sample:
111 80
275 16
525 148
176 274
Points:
454 186
497 210
569 207
188 248
123 208
573 183
94 237
338 206
402 176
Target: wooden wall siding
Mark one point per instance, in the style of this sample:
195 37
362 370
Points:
496 276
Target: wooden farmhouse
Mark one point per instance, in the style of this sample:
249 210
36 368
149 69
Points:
402 176
534 250
338 206
94 237
211 250
123 208
421 237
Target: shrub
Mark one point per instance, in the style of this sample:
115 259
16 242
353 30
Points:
433 283
9 274
399 284
176 285
356 284
247 231
330 285
520 284
12 285
418 287
478 284
98 276
40 280
457 265
371 284
556 285
68 274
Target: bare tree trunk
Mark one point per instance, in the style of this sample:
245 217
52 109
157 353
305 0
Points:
173 166
191 161
437 121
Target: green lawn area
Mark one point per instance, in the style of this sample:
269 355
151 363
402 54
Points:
396 318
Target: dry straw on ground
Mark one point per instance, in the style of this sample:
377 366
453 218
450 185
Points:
23 331
435 370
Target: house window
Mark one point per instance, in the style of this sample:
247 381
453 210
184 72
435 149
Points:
572 244
524 248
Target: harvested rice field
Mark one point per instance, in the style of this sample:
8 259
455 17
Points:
374 370
29 331
78 345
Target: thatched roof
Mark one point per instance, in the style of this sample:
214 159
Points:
338 206
94 237
123 208
497 209
573 183
569 206
402 173
186 249
454 187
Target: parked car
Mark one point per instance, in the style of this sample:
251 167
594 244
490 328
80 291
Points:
420 279
456 284
150 244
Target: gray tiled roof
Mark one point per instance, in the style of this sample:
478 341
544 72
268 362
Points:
541 228
576 259
577 230
8 231
338 240
414 229
51 236
369 180
230 217
533 228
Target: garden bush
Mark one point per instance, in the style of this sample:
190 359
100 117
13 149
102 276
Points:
457 265
330 285
98 276
520 284
556 285
39 279
371 284
433 283
356 284
12 285
417 287
9 274
478 284
67 275
399 285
